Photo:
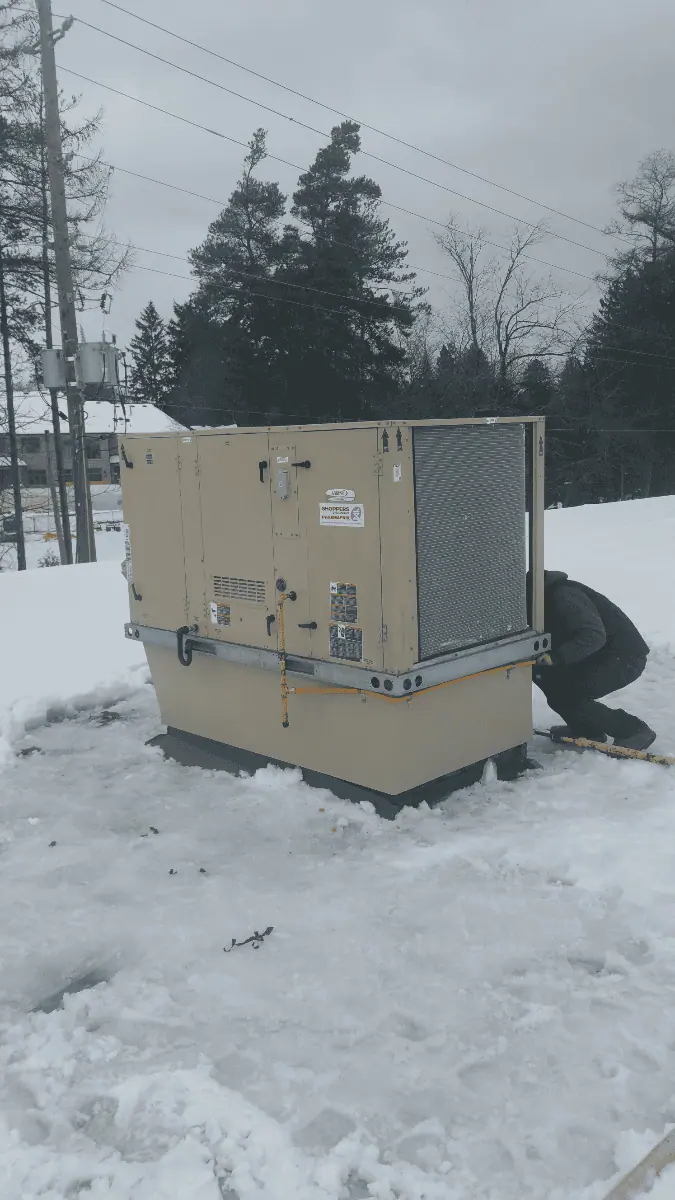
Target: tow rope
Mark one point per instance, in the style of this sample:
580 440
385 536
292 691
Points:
611 750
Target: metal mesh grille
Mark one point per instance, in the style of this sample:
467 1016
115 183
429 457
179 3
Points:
230 587
470 525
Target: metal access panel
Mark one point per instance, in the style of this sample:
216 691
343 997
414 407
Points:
153 514
340 519
236 581
469 483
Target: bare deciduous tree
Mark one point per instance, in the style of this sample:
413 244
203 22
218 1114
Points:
505 314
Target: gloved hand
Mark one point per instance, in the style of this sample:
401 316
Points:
542 665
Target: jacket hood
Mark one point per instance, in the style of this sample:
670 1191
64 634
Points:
551 578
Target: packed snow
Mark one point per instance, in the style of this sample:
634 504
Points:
472 1002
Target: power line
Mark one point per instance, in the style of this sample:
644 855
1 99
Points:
274 280
364 124
420 216
375 157
622 362
333 312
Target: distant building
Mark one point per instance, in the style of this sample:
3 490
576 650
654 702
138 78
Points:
105 424
6 469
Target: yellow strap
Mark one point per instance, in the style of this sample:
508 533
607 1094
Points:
282 662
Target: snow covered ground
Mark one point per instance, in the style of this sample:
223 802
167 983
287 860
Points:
474 1002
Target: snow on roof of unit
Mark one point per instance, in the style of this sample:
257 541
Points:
7 462
33 415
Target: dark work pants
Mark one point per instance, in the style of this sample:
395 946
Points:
574 691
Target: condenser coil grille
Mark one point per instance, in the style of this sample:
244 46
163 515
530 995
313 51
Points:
230 587
470 529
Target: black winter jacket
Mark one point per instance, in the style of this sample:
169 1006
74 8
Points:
582 622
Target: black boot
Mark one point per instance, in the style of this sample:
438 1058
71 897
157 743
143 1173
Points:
629 731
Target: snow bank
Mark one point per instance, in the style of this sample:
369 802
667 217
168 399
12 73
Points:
625 550
64 646
473 1003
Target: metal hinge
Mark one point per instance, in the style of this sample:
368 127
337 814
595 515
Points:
383 635
378 466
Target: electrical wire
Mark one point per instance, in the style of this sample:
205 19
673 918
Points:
420 216
364 124
350 299
322 133
334 312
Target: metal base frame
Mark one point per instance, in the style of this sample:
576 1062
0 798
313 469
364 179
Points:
191 750
508 652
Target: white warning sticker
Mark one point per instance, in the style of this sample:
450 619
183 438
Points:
220 613
127 554
398 472
347 516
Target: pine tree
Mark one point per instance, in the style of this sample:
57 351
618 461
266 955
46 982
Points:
236 307
152 370
631 377
298 322
347 346
537 389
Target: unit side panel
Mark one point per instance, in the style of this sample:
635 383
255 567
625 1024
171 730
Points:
234 487
152 510
399 571
339 515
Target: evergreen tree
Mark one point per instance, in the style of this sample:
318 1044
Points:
302 322
629 365
537 389
347 346
203 392
152 368
235 308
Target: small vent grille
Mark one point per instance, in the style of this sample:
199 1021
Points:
229 587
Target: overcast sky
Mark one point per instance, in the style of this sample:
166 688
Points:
555 100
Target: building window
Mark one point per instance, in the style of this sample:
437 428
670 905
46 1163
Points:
67 475
30 445
93 449
37 478
95 475
4 444
114 472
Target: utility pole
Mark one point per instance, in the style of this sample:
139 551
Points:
55 499
11 423
84 526
65 541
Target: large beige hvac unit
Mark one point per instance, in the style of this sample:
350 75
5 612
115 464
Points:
349 599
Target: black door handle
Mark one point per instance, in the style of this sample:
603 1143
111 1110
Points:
270 621
307 464
308 625
262 467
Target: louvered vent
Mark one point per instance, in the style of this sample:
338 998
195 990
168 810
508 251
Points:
469 508
230 587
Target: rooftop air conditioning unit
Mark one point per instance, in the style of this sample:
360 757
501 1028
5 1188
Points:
350 599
